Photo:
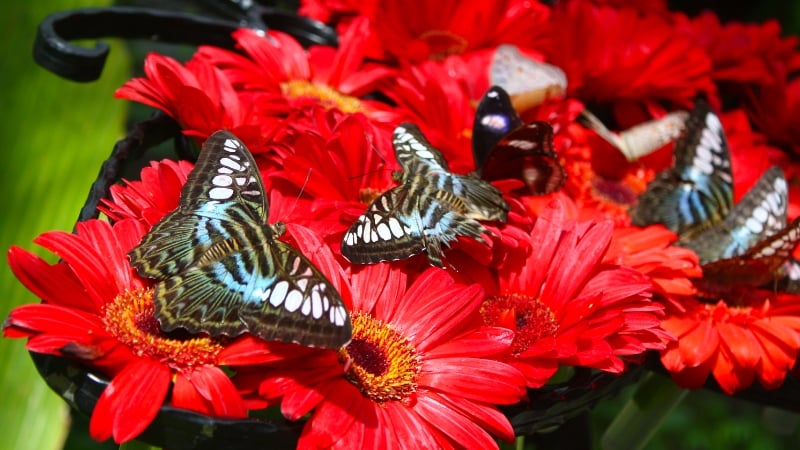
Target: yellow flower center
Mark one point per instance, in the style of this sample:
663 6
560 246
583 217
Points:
379 361
129 317
327 96
530 319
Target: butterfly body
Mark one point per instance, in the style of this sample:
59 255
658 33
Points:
426 212
220 268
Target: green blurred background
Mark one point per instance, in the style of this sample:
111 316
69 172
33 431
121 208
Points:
56 134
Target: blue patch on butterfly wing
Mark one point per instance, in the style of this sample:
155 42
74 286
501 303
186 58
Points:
698 190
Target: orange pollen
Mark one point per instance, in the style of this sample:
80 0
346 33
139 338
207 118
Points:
368 195
327 96
443 43
380 362
129 318
530 319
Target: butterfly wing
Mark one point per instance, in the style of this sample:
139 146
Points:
761 213
698 190
494 119
527 81
219 268
225 175
388 230
527 153
642 139
274 293
414 153
759 264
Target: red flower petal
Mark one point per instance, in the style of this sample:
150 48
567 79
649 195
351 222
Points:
130 402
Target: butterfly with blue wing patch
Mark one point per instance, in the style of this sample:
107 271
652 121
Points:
698 190
741 244
505 148
428 210
220 269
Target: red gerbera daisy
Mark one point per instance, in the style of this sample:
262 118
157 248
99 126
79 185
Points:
738 336
156 193
613 54
743 53
284 76
650 251
198 96
417 31
99 312
419 372
567 307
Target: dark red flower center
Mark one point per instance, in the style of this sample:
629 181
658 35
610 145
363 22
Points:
530 319
129 318
442 43
380 362
324 94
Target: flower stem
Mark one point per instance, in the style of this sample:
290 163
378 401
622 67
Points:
654 399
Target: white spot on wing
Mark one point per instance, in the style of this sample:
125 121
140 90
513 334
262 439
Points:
279 293
220 193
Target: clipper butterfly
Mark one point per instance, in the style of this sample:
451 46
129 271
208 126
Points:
426 212
219 268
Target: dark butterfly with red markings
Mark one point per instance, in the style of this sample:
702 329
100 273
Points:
741 244
427 211
220 269
506 148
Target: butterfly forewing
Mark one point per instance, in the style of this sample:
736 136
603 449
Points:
761 213
220 269
698 190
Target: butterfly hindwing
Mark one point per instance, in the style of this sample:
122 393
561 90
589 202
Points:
220 269
698 190
760 263
229 296
388 231
505 148
760 214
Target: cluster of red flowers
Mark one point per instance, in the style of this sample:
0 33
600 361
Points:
567 281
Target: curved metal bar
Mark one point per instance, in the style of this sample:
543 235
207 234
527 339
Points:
53 51
144 135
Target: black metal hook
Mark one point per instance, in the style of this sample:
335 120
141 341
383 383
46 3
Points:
54 51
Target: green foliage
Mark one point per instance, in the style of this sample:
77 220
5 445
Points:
56 133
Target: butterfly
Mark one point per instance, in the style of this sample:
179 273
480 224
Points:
505 148
745 243
642 139
527 81
220 268
428 210
698 190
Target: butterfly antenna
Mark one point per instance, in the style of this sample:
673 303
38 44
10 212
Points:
299 194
